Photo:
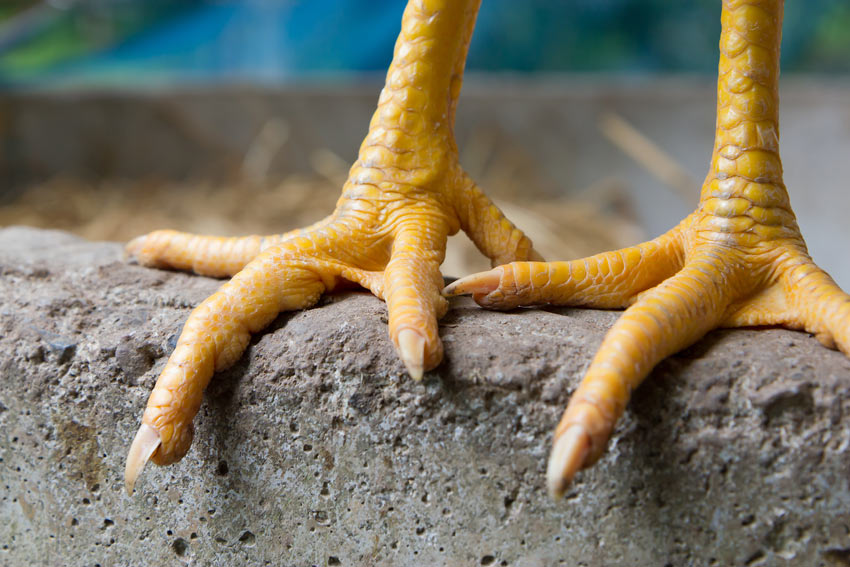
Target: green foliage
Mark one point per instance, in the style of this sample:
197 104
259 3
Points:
830 46
618 36
57 35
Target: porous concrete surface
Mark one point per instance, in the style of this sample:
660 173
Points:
316 449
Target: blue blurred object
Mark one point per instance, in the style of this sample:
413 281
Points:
258 41
248 40
151 41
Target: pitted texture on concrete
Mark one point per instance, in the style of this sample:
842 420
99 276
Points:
316 449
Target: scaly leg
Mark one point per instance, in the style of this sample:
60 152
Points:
404 196
739 260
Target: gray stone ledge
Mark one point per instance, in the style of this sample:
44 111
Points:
315 449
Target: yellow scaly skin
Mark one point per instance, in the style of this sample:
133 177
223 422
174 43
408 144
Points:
738 260
404 196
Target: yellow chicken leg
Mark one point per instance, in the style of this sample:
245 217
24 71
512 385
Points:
738 260
404 196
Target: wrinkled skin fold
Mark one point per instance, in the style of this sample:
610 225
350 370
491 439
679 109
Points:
738 260
405 195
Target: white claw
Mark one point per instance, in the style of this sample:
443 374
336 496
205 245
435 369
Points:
484 282
144 444
566 459
411 349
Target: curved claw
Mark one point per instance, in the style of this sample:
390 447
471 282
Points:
390 236
568 455
480 283
144 445
411 349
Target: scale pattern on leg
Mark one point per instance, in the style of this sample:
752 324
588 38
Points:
609 280
404 196
413 295
215 336
824 309
744 260
664 320
488 228
213 256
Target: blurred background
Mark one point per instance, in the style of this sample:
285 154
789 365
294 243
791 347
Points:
590 121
